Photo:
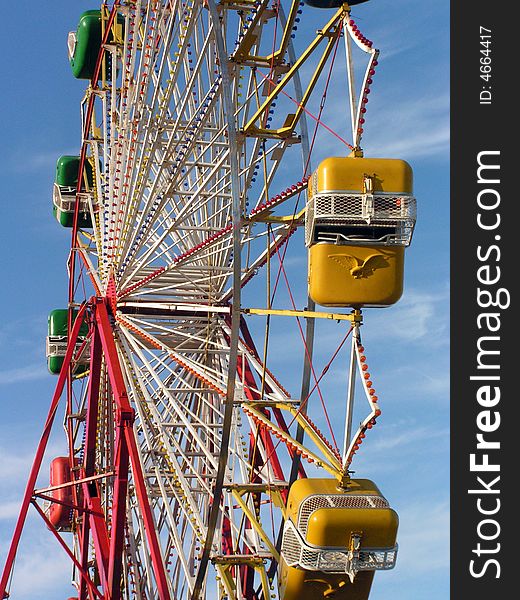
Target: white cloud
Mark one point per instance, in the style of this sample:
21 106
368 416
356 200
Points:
422 123
416 316
45 567
22 374
414 328
415 32
43 161
393 451
430 385
24 331
13 465
424 533
407 437
407 117
9 510
398 124
39 558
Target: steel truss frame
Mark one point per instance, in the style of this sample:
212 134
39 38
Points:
107 537
129 350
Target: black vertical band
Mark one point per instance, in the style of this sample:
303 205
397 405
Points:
485 346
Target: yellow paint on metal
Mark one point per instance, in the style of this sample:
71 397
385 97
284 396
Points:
250 38
255 523
303 488
354 316
329 33
333 528
313 434
349 173
296 584
266 217
355 275
330 464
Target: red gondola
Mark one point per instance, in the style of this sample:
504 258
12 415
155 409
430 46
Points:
60 515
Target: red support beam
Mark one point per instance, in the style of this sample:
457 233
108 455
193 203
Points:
83 572
40 451
117 529
108 543
245 373
125 419
95 524
84 536
89 454
100 537
266 437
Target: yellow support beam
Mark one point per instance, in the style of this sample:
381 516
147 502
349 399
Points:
277 57
330 33
242 54
224 566
253 519
328 461
354 317
266 217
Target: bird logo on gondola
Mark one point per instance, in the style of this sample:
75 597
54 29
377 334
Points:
360 268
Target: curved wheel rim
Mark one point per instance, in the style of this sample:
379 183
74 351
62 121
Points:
171 192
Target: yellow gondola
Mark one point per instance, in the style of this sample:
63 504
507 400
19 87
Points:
360 216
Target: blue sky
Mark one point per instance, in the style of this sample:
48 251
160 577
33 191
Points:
407 345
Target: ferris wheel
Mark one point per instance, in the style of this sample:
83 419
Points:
191 471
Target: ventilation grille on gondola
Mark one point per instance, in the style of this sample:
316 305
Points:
64 198
297 553
312 503
56 346
359 218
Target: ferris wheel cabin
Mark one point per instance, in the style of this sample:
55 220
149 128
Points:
360 217
84 43
335 539
57 342
60 513
65 192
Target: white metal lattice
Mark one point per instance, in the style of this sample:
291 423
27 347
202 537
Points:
345 216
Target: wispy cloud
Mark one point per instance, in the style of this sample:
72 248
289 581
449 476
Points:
39 559
408 115
413 318
9 510
422 123
399 124
415 32
14 466
43 161
394 450
409 437
425 384
424 537
22 374
414 323
46 564
27 332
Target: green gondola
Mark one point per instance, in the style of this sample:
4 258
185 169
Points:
57 342
65 189
84 43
